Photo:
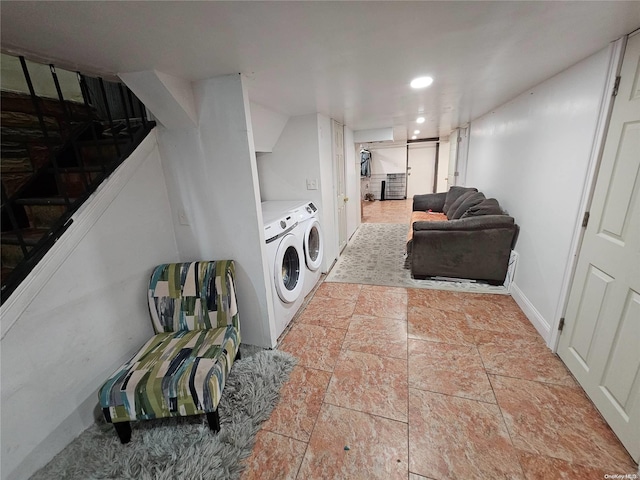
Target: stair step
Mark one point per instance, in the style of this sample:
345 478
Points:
75 180
86 169
43 201
104 142
31 236
6 271
11 255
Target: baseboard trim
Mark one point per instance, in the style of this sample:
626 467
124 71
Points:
534 316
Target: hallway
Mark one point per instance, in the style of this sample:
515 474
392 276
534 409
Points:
427 384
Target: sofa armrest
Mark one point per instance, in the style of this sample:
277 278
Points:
483 222
477 248
429 201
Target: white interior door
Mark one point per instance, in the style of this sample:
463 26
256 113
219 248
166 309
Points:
600 342
420 169
341 189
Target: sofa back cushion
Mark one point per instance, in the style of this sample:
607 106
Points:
454 206
470 201
193 296
490 206
453 194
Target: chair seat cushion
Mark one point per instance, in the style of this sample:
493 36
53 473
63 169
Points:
174 374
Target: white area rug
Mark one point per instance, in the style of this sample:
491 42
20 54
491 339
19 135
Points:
375 255
185 447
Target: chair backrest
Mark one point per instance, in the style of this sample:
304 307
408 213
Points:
193 296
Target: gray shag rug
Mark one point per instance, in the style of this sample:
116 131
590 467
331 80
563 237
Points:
183 448
376 255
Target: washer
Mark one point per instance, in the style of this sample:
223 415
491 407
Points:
312 242
285 255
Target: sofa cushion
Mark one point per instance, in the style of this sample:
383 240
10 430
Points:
489 206
453 194
470 201
429 201
424 217
454 206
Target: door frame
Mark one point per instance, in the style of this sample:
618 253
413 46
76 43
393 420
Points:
340 226
616 54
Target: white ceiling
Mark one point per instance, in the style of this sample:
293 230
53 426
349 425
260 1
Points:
349 60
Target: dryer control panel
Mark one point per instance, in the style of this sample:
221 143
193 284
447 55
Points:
279 228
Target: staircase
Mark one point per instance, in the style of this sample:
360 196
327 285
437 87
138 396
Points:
54 154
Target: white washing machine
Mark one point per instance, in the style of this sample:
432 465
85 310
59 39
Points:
313 243
285 254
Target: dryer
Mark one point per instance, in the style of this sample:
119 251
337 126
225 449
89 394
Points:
285 255
312 242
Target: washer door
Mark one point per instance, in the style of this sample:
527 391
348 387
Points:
313 247
289 269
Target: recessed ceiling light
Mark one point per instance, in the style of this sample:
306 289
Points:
413 137
420 120
421 82
416 131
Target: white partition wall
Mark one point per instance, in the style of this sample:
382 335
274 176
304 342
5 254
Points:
82 312
212 182
233 216
533 155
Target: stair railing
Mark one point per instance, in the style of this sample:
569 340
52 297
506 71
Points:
19 232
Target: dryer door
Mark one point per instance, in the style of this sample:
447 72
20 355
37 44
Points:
313 246
289 269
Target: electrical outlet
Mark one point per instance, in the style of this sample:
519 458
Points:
312 184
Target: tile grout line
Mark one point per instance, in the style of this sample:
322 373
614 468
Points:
452 396
377 415
315 422
504 422
408 393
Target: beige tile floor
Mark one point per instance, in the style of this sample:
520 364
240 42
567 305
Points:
426 384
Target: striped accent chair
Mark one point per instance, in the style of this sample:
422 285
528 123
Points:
181 370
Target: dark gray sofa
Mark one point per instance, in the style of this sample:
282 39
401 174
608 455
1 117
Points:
473 242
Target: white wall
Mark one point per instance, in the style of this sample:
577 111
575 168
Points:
267 126
235 216
82 313
388 160
533 155
212 182
374 135
283 173
352 166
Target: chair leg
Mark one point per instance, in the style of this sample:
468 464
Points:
238 355
123 429
214 420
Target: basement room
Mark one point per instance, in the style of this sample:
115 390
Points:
320 240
